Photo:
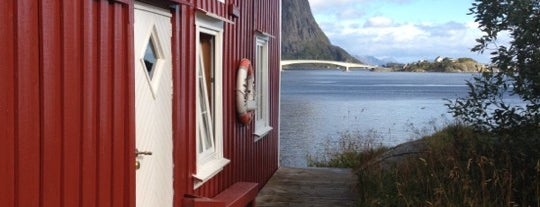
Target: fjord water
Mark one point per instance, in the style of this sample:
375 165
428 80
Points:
318 105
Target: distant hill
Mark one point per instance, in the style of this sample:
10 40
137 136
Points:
371 60
302 38
446 65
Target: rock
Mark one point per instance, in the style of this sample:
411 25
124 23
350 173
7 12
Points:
399 153
303 38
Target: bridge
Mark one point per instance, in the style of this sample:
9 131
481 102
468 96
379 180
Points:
346 65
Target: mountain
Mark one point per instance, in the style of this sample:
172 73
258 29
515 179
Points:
302 38
371 60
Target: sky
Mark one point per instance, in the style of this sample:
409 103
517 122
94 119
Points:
405 30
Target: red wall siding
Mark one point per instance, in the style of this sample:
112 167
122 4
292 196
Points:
183 100
267 20
21 105
7 105
67 112
250 161
66 117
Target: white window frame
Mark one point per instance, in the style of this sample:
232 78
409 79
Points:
210 162
262 87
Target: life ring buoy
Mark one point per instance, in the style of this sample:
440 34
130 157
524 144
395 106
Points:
245 100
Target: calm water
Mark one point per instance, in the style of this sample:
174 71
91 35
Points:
316 105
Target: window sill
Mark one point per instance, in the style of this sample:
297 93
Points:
261 132
208 170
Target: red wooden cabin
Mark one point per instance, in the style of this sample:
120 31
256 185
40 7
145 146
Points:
133 103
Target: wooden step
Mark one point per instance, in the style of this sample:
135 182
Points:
240 194
309 187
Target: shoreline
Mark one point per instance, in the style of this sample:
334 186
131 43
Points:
376 70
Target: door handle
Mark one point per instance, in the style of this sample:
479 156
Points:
139 153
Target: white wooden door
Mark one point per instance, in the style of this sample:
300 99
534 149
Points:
153 106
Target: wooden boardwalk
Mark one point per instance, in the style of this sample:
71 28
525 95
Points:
314 187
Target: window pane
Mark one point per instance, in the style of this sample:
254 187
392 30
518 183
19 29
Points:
262 120
207 55
206 139
209 71
208 142
199 134
260 82
150 58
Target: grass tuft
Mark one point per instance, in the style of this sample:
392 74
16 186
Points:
351 149
460 167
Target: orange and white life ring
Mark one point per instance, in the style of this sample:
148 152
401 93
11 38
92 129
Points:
245 100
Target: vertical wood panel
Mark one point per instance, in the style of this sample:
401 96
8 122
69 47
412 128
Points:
27 97
235 149
51 121
89 121
251 152
72 90
182 104
7 104
189 53
66 108
119 100
228 117
104 165
129 120
181 110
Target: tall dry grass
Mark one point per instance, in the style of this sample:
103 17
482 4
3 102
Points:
461 167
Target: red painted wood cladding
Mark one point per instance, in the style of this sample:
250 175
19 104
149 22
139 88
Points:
67 109
250 161
65 117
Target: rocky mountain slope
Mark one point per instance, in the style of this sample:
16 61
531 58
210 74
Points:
302 38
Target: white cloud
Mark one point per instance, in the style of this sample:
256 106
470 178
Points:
350 13
324 3
378 21
382 36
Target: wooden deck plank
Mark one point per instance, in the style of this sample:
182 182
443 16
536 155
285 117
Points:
312 187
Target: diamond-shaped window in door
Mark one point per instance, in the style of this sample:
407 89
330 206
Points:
150 58
153 60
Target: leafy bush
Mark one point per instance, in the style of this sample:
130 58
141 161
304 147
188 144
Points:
513 129
517 65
